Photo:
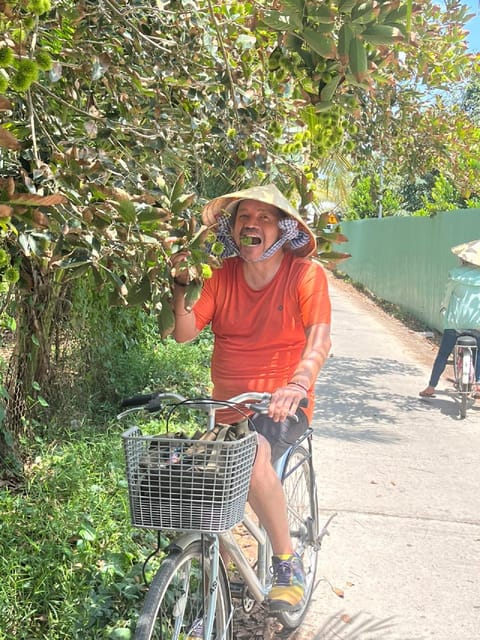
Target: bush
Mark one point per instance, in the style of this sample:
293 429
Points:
74 566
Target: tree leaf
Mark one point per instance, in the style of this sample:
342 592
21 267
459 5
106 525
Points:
139 293
276 20
328 91
381 34
34 200
8 140
127 211
5 211
182 202
192 293
321 44
165 319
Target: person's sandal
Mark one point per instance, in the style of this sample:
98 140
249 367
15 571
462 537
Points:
426 394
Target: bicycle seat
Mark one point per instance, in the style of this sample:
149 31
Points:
466 341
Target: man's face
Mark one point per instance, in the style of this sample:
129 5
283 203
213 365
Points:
255 228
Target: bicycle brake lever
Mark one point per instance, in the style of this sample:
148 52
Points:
155 404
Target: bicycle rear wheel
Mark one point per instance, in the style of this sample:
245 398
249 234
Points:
178 595
300 490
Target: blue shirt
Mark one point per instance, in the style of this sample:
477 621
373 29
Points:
462 298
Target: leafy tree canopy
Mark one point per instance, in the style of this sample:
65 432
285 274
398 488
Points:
120 118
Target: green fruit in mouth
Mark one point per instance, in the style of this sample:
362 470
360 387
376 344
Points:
246 241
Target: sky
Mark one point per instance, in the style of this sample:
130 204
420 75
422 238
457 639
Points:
473 26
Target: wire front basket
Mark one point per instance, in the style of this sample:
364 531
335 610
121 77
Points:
187 485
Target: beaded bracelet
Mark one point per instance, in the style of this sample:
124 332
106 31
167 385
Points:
179 283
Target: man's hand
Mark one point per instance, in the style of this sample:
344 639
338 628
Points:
285 401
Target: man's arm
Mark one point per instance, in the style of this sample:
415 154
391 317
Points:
314 355
285 400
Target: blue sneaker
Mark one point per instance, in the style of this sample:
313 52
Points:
288 585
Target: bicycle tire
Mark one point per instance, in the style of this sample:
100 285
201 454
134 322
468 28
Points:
176 597
299 485
465 388
457 367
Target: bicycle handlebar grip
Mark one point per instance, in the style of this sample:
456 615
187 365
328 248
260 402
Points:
138 400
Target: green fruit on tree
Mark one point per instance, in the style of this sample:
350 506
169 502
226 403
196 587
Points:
3 83
11 275
4 258
28 68
6 57
206 271
20 82
44 60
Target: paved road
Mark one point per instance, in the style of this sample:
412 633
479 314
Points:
403 476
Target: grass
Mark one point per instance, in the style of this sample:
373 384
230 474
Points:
71 563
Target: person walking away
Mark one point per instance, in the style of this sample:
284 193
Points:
269 309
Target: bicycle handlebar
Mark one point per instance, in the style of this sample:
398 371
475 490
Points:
153 402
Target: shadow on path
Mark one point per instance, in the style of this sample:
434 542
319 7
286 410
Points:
360 392
448 403
342 626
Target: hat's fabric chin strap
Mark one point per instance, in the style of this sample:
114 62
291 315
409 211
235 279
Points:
290 233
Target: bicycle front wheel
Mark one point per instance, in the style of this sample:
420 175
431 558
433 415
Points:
301 494
178 597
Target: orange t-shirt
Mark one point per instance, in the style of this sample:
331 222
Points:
260 335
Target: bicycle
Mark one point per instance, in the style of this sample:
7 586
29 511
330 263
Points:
464 363
192 594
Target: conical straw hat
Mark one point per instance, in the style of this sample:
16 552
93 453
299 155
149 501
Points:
468 252
269 194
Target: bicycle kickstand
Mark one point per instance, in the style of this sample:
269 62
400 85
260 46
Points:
324 532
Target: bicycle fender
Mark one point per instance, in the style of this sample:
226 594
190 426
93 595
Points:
183 541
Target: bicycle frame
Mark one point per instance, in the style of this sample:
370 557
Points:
256 580
296 471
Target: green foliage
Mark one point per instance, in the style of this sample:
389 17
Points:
471 100
365 197
74 564
109 156
419 123
414 192
120 354
443 197
73 567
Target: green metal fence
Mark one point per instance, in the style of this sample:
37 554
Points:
406 260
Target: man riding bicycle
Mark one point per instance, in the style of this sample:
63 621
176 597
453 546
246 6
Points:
269 310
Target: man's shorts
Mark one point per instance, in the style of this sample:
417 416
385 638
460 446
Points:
280 435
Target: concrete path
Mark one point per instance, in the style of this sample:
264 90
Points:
402 561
